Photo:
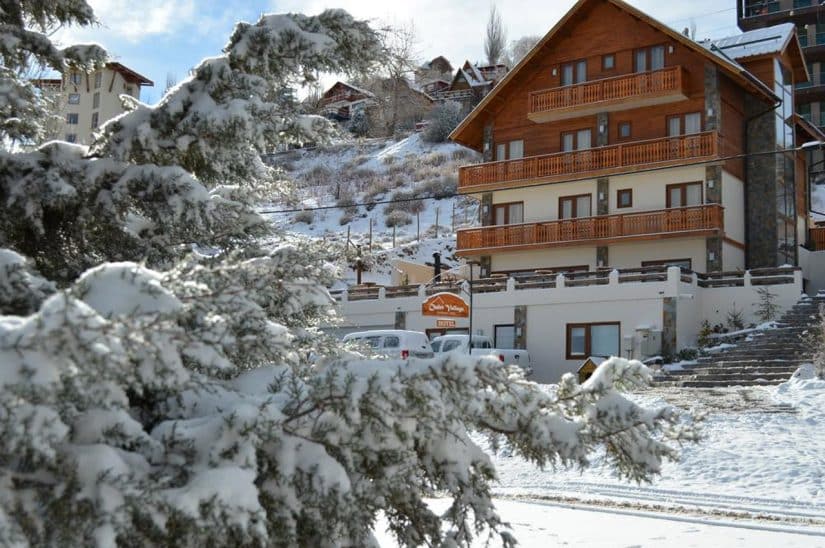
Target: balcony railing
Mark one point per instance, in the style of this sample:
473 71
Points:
594 161
620 89
603 229
818 239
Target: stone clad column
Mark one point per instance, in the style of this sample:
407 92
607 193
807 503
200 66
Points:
400 320
669 343
520 321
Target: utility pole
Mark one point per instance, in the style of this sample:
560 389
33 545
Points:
346 248
393 236
452 217
436 222
417 226
370 233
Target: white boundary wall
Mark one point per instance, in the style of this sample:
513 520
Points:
635 305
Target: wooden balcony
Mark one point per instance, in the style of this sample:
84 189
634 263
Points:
701 220
594 162
817 239
618 93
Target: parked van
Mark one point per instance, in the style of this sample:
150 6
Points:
394 343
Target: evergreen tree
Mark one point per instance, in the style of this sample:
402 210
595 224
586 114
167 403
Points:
172 388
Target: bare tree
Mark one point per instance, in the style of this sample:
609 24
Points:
519 49
171 81
495 40
399 43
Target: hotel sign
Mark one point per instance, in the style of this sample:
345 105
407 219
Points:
445 305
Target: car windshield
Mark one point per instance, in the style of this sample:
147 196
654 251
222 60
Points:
450 345
436 346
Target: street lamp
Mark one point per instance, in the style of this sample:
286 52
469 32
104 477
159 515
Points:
470 339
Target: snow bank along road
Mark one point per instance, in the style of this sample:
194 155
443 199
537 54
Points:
545 525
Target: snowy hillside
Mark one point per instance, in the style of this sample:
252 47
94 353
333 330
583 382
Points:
419 177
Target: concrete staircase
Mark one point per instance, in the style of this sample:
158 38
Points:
764 358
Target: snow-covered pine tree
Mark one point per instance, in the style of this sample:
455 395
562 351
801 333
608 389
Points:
191 400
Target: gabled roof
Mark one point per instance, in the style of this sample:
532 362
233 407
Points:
775 40
350 86
736 71
129 74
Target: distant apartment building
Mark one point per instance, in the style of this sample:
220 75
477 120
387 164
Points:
809 18
84 101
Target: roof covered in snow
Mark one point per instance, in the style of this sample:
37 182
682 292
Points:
765 41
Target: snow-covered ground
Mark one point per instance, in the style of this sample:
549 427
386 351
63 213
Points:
757 479
546 524
378 170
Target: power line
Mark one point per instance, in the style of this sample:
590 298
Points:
525 186
699 16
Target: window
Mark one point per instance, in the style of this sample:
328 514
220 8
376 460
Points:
693 123
75 78
129 90
74 98
685 264
573 73
98 79
690 122
95 120
624 197
508 214
391 341
684 194
576 140
652 58
96 100
608 62
516 150
572 207
71 137
624 130
501 152
505 336
71 118
593 339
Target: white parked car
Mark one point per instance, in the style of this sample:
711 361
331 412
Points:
482 346
394 343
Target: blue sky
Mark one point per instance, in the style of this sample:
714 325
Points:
157 37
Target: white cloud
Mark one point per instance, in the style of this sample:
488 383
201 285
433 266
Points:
131 21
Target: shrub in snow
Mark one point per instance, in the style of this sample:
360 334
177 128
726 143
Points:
734 319
444 118
441 187
359 124
819 341
398 218
406 201
175 390
766 308
306 216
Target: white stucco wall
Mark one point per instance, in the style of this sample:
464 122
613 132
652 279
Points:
813 270
733 199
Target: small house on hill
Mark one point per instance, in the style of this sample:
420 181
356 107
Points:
471 83
437 69
339 101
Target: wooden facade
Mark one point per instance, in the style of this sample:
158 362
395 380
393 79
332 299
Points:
703 220
607 94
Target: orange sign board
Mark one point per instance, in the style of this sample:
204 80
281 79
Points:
445 305
445 323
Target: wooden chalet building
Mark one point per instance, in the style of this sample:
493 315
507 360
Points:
339 101
618 142
472 83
